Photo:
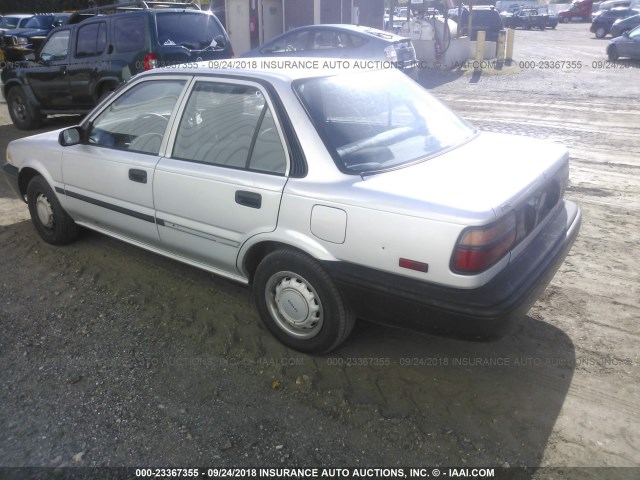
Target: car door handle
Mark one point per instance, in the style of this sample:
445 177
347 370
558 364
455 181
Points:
139 176
248 199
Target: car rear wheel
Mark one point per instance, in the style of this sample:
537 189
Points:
299 302
23 115
612 53
565 20
601 32
52 223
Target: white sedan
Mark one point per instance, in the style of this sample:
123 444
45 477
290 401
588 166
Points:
334 194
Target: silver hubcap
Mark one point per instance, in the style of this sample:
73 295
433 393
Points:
44 211
294 304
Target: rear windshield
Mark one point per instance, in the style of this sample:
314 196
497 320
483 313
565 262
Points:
41 22
194 31
9 22
486 17
376 121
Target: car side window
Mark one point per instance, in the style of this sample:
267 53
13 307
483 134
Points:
329 40
57 47
129 34
137 120
294 42
92 40
232 126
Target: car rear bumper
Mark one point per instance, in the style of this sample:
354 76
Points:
487 311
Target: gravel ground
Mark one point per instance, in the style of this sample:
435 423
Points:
113 356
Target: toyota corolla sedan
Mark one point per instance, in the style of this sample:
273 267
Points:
335 195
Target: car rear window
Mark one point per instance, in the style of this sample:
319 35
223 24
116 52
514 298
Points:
486 17
194 31
380 120
41 22
130 34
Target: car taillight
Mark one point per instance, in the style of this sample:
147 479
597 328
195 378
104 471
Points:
150 61
391 53
482 247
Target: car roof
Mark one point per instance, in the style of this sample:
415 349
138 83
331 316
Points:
82 15
18 15
357 29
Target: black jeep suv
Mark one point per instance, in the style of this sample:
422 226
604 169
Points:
80 63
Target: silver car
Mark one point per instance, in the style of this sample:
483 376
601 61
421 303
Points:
334 194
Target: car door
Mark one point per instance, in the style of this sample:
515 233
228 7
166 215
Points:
86 61
222 179
630 46
48 78
108 179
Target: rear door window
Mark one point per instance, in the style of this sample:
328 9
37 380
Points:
230 125
92 40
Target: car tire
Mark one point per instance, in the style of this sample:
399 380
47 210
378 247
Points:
23 115
612 53
299 303
52 222
565 20
601 32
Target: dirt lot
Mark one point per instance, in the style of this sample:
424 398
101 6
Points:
112 356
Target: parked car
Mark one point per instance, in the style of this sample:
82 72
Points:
624 25
483 18
627 45
580 11
19 42
9 22
80 63
342 41
13 20
335 194
526 18
602 24
552 20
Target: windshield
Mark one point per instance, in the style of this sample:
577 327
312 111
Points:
41 22
9 22
375 121
193 31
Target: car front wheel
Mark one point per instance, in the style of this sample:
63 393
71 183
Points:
601 32
299 302
52 223
23 115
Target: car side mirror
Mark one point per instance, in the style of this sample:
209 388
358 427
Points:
625 34
70 136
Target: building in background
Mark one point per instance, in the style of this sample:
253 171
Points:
251 23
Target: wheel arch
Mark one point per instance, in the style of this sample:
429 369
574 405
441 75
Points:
252 254
104 85
13 83
24 177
